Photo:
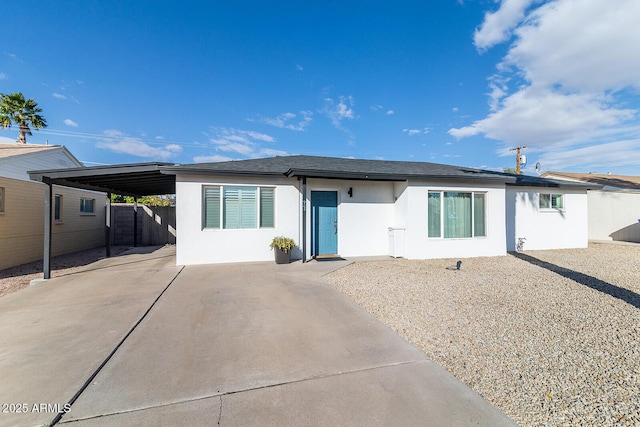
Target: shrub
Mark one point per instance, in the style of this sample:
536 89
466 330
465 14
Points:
283 243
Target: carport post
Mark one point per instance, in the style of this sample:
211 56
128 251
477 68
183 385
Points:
304 219
48 221
107 226
135 222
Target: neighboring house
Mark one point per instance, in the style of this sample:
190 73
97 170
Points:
79 215
614 210
230 211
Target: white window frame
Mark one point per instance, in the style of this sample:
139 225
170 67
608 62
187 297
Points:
473 226
551 208
93 206
221 214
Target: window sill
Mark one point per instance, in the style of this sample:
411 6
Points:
58 222
552 210
237 229
458 238
87 214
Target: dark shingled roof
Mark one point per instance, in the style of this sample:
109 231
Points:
334 167
143 179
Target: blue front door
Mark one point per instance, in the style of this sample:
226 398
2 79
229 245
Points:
324 220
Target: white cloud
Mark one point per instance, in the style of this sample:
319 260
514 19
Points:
160 138
5 140
70 122
3 76
455 109
286 121
569 80
339 110
413 132
497 26
593 158
378 107
212 159
59 96
243 142
587 45
544 117
299 67
116 141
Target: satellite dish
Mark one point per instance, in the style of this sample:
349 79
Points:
538 168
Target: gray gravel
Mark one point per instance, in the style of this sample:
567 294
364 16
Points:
551 341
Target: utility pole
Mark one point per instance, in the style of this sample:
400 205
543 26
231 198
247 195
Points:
518 158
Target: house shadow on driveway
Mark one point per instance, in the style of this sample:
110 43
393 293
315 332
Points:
623 294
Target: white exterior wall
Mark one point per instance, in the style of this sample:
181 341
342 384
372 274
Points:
419 246
195 245
548 229
363 220
614 215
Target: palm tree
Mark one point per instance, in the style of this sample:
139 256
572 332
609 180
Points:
23 112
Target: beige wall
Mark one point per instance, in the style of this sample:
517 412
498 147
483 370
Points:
22 222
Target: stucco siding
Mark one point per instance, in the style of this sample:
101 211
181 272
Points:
363 218
551 228
22 222
197 245
614 215
418 245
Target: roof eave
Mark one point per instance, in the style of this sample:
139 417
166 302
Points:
206 171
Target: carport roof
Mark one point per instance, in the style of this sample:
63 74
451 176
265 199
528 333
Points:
135 179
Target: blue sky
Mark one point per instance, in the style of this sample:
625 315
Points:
447 81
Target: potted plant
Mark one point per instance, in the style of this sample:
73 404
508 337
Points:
282 247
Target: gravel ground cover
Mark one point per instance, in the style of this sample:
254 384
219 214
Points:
15 278
550 339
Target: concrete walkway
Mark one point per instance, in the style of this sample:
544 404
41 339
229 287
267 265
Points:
242 344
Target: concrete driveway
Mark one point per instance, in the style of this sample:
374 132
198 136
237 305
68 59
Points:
136 340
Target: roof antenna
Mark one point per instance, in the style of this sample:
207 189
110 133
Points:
538 168
46 142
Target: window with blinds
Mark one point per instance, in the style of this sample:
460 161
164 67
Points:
267 208
238 207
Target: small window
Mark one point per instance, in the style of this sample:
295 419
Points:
57 207
87 205
551 201
1 199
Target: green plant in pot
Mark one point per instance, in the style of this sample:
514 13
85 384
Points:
282 246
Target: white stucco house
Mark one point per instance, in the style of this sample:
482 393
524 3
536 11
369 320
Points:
230 211
614 210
